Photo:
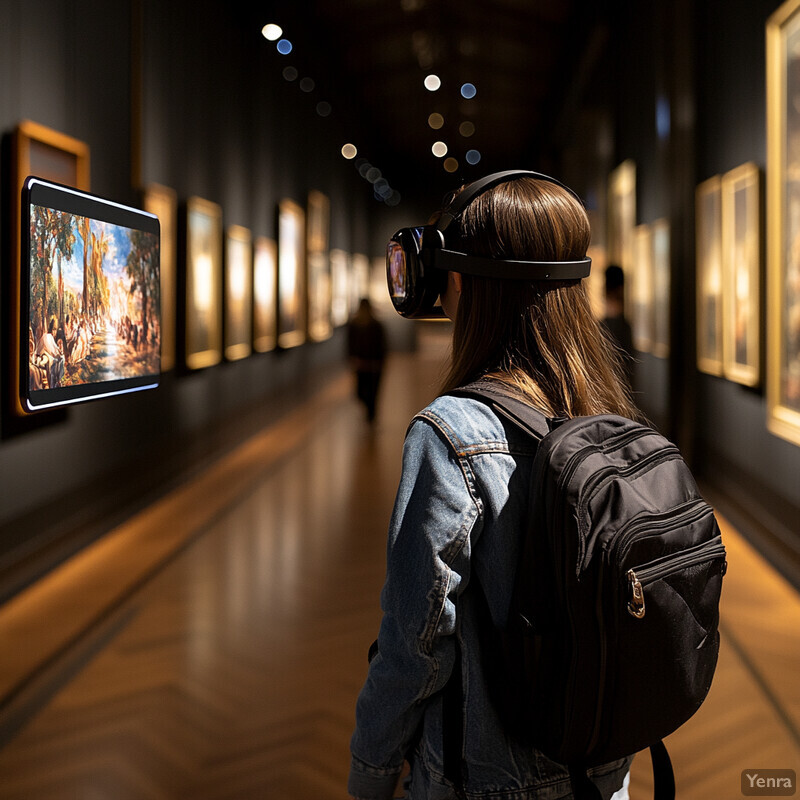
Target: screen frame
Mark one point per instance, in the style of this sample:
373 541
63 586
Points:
48 194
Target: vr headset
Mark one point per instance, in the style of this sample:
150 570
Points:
418 259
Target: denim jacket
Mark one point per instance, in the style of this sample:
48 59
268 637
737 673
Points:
459 512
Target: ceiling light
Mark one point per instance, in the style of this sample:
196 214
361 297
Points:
473 156
450 164
439 149
349 151
272 32
436 121
432 83
468 91
284 47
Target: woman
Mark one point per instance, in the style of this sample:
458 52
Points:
455 532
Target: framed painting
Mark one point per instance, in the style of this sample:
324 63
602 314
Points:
265 279
661 273
598 252
292 297
238 270
783 235
320 326
622 222
708 255
741 274
642 288
163 202
595 283
359 279
203 302
51 155
340 287
319 220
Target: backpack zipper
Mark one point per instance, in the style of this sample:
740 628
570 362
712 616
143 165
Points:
687 513
668 453
639 577
601 684
611 444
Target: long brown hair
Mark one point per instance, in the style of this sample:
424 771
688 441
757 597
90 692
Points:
540 338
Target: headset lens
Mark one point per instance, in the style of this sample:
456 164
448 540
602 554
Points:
402 267
414 294
396 272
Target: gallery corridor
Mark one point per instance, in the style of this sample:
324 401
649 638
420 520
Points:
212 647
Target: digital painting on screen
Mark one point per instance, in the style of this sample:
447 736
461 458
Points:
91 297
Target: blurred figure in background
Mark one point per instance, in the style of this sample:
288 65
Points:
614 320
366 349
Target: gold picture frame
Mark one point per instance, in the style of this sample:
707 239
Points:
54 156
203 302
163 202
238 272
359 279
320 325
292 299
783 234
708 252
49 154
741 274
622 223
661 280
642 288
319 221
265 285
340 287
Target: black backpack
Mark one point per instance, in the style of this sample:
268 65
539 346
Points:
612 639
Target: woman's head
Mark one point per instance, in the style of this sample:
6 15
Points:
542 337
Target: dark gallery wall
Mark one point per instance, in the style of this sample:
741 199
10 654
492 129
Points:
181 95
758 471
704 62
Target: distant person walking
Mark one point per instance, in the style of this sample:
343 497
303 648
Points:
366 349
614 319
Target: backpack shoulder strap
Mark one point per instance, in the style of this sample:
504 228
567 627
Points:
508 406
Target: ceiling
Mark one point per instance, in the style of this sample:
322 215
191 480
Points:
369 59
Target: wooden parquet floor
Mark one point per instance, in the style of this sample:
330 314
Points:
226 663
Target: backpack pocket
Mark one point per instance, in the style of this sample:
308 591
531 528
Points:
663 638
639 578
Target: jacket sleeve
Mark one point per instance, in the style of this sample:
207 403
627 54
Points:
427 568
